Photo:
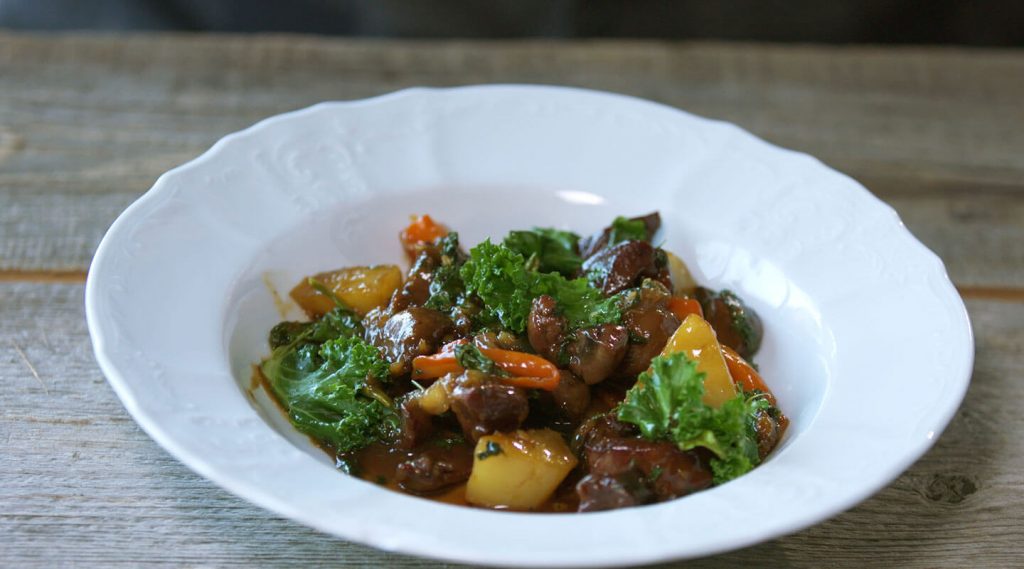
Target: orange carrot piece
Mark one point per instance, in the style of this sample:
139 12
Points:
683 307
525 370
422 229
744 375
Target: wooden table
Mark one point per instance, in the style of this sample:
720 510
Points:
88 122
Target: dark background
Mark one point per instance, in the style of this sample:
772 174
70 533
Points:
962 22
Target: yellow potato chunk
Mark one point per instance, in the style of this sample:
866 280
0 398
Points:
697 340
518 470
360 288
682 281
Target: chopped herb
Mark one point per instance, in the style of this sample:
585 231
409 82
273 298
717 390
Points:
499 277
491 449
547 250
624 229
447 290
655 474
740 319
470 357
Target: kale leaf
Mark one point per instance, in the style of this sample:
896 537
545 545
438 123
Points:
326 379
667 404
547 250
625 229
582 304
470 357
446 287
501 279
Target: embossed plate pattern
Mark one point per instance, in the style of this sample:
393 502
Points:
867 343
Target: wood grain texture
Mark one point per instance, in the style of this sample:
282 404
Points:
81 484
88 122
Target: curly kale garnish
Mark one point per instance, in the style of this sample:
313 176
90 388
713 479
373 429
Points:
625 229
327 378
500 278
667 404
446 288
547 250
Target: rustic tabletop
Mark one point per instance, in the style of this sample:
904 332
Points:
88 122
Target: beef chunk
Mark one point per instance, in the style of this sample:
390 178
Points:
735 324
595 352
770 425
416 424
627 469
416 289
572 396
650 324
667 471
435 469
625 266
409 333
594 243
545 328
484 406
606 492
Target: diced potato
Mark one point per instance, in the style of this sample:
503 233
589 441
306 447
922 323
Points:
435 400
518 470
697 340
361 288
682 281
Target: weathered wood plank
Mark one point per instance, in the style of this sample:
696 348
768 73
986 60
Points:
81 485
88 122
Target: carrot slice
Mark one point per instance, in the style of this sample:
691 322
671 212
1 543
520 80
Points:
683 307
422 229
744 374
525 370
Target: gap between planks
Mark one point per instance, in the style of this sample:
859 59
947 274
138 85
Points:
1006 294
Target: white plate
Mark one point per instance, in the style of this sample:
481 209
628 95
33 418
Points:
868 345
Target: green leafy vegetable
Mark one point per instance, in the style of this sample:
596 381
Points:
624 229
667 404
446 287
470 357
491 449
741 320
547 250
335 324
500 278
581 303
327 380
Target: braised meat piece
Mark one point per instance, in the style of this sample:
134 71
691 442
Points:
435 469
416 289
416 424
484 405
545 328
623 464
572 396
595 352
770 425
735 324
594 243
607 492
650 324
625 265
413 332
